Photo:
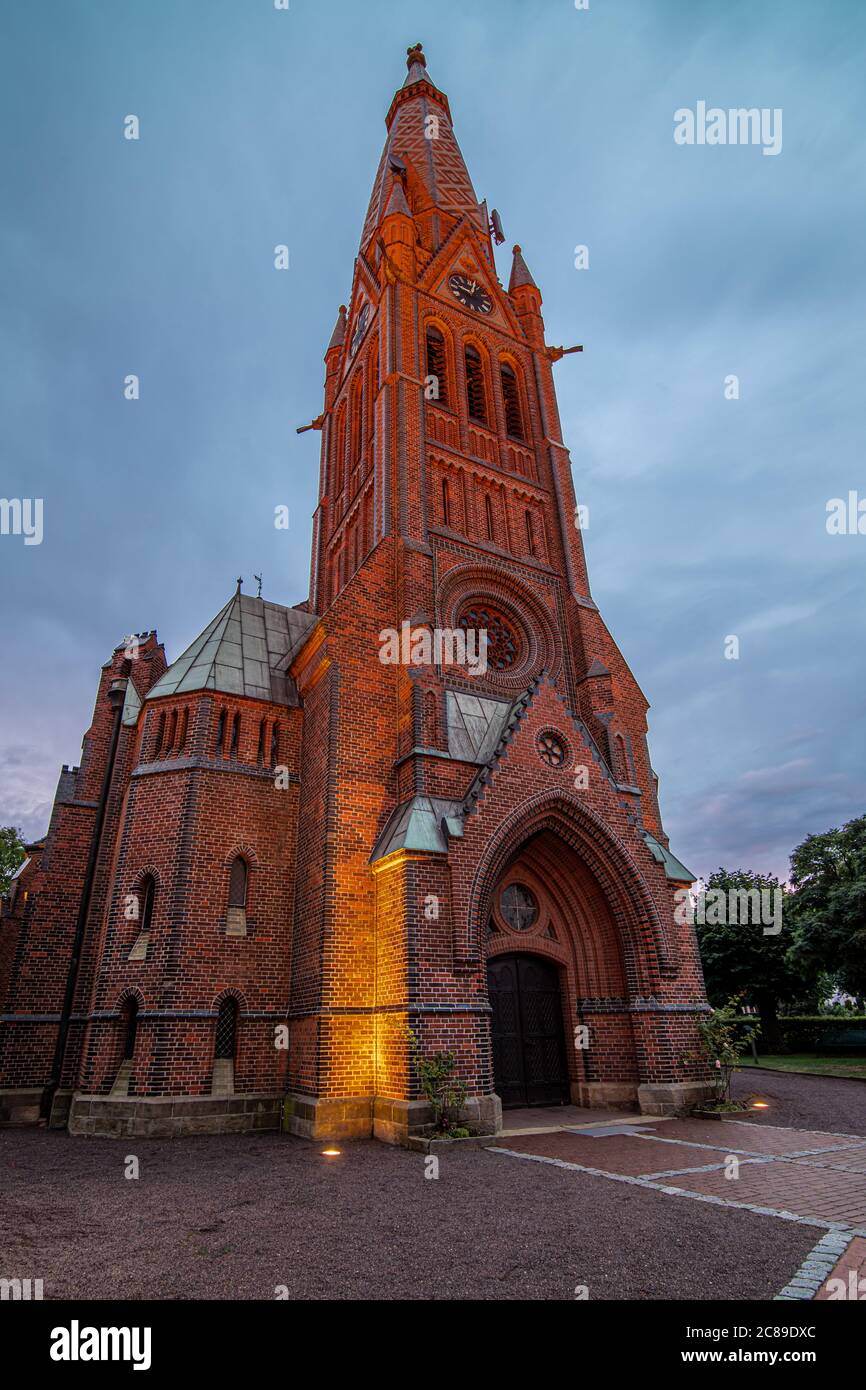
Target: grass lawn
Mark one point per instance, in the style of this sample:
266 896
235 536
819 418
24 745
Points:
807 1061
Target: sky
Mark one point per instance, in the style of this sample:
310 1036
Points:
259 127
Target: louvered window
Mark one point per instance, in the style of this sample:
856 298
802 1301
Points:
476 397
511 399
436 366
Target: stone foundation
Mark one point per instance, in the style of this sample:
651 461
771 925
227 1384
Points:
169 1117
379 1117
605 1095
673 1097
19 1105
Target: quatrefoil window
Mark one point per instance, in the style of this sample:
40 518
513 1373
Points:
551 750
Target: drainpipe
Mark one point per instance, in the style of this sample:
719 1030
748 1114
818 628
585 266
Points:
116 696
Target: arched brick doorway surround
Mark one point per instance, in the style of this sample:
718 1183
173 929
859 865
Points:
584 907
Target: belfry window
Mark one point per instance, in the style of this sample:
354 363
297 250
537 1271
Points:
476 396
437 366
221 732
236 736
275 744
357 420
511 400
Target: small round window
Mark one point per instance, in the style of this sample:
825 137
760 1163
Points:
551 750
518 907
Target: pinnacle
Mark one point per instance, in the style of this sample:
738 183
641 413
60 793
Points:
339 334
520 272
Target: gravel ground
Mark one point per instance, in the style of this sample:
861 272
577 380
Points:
804 1102
236 1216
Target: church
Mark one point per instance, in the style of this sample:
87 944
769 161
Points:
282 855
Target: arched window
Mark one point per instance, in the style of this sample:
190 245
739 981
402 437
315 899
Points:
339 448
446 504
437 366
511 399
221 732
371 404
130 1028
275 744
146 895
357 419
236 736
476 396
144 900
260 752
236 918
488 516
226 1037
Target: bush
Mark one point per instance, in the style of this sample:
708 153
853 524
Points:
440 1086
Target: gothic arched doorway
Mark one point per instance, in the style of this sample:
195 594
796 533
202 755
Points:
529 1062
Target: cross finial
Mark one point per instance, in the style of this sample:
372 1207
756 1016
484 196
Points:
259 578
240 582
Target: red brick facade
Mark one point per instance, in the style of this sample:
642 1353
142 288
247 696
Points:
378 810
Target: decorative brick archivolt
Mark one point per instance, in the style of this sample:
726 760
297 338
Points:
231 992
127 994
245 852
149 871
646 949
518 606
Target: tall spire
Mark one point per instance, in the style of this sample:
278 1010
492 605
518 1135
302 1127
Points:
422 148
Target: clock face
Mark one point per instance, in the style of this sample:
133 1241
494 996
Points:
360 325
470 293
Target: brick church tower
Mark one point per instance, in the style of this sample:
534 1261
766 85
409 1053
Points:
420 800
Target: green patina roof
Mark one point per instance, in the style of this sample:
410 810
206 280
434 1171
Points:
424 823
244 651
673 867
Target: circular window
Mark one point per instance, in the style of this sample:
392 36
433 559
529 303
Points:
503 645
551 750
518 907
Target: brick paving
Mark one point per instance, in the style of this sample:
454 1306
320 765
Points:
807 1174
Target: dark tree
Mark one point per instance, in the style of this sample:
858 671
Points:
740 960
828 874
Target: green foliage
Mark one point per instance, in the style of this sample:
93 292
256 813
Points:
444 1091
738 959
828 874
12 853
725 1035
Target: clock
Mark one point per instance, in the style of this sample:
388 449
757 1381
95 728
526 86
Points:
470 293
360 326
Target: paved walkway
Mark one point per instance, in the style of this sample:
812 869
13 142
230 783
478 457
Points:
810 1177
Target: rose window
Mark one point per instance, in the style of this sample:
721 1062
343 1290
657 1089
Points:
502 643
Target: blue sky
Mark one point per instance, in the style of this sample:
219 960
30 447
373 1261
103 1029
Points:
258 127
